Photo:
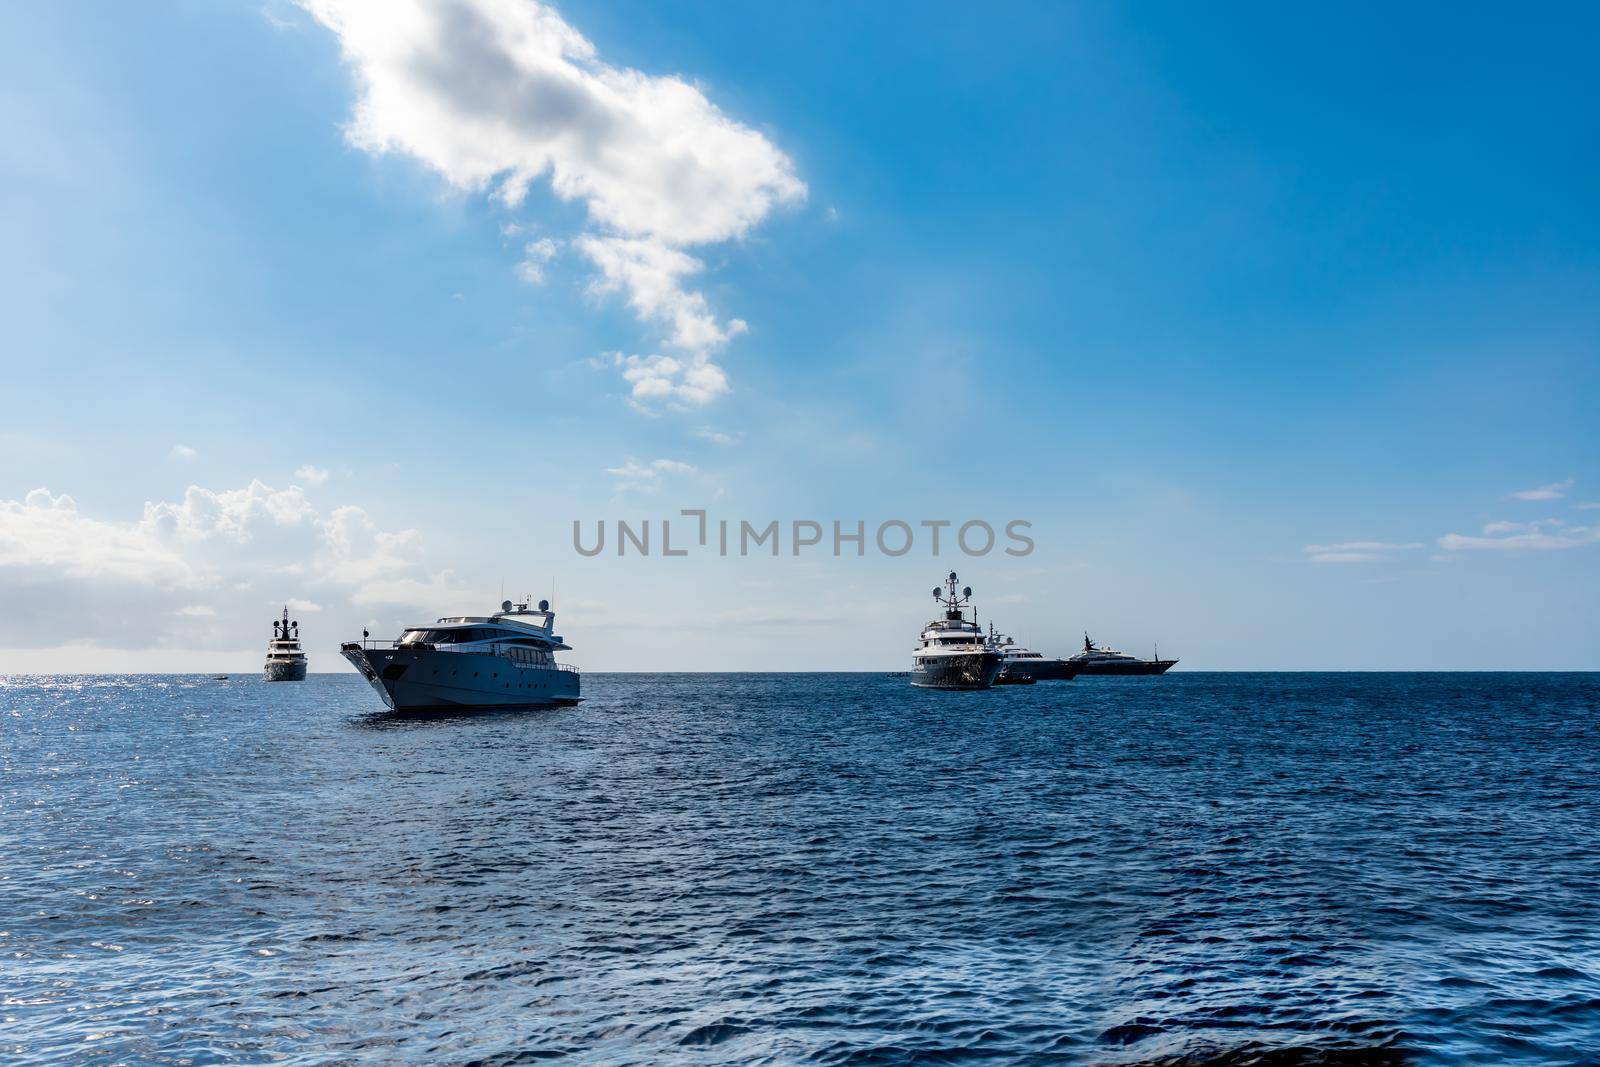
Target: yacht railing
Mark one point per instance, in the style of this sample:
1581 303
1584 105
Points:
513 654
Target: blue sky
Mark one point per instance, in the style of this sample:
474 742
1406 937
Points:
1260 316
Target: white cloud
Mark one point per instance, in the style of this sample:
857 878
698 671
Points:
1531 536
651 274
1357 551
192 572
679 383
312 475
295 603
646 477
183 452
535 254
1588 507
1553 491
496 95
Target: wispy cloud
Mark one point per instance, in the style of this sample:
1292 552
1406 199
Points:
1553 491
279 16
1358 551
182 452
495 95
1595 506
646 477
716 437
1550 534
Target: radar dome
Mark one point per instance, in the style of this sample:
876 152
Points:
967 591
544 605
505 605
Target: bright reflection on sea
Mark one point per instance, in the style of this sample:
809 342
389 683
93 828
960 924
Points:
830 868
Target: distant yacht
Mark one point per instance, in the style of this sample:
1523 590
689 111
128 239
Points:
286 661
468 662
1017 663
952 652
1097 660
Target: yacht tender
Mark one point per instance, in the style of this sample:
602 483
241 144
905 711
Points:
952 653
467 662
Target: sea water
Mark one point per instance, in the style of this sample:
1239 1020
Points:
817 868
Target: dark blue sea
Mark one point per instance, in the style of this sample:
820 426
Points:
719 869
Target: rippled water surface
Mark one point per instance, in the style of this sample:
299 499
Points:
1236 869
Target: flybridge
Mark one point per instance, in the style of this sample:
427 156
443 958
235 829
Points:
795 537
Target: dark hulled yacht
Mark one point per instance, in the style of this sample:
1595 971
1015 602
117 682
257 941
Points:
952 652
1023 665
1095 659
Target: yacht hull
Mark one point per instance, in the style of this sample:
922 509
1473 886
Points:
430 680
1136 667
285 672
974 670
1042 670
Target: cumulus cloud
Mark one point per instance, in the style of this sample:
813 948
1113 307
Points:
191 572
663 379
1357 551
311 474
496 95
646 477
1550 534
651 274
1553 491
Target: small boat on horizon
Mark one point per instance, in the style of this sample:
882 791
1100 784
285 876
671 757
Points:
471 662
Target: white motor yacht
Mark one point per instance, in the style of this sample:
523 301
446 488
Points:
468 662
286 660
